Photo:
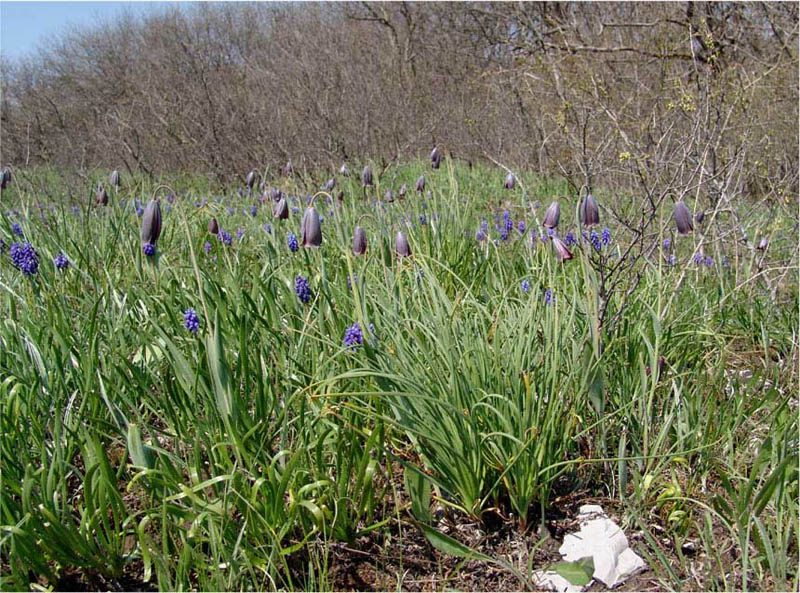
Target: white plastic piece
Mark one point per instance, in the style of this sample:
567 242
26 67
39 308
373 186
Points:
602 540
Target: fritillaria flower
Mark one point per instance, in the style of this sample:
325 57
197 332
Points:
310 230
552 216
683 218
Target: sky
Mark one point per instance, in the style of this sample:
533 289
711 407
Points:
24 25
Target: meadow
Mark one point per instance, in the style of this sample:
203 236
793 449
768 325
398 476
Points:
237 410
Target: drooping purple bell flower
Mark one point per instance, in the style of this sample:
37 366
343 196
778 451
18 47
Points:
310 230
683 218
420 187
562 251
281 210
288 169
401 245
436 157
510 181
590 215
552 216
366 176
213 226
250 180
359 241
151 222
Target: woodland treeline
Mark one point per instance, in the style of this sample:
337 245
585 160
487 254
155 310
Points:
650 97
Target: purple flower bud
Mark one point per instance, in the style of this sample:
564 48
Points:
421 184
388 196
60 260
359 241
191 321
281 210
253 210
5 178
683 218
310 231
275 194
366 176
207 247
113 179
510 181
401 245
353 337
213 226
151 222
525 286
552 215
763 244
100 195
302 289
250 180
292 242
149 249
590 215
25 258
436 157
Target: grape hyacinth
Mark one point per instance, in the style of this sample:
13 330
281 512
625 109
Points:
606 236
293 244
24 257
525 286
149 249
480 236
268 227
61 261
521 227
190 320
698 258
548 297
570 240
351 281
17 229
239 233
595 240
302 288
353 336
253 210
708 261
225 237
207 247
667 243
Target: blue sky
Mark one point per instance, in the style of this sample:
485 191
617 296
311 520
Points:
24 25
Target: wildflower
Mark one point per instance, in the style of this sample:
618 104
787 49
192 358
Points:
151 223
292 241
340 196
2 246
388 196
484 226
508 222
708 261
302 289
225 237
213 226
504 234
589 213
113 179
401 245
100 195
606 236
724 261
250 180
683 218
5 178
207 247
24 257
698 258
548 297
351 281
139 211
344 171
673 260
366 176
570 239
510 181
268 227
595 240
149 249
700 216
422 219
420 187
253 210
190 320
281 210
763 244
359 241
288 169
402 192
353 337
436 157
666 244
521 227
17 229
562 253
275 194
310 231
239 233
75 211
552 216
525 285
480 236
61 261
330 185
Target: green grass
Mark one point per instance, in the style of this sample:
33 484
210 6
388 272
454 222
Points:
221 460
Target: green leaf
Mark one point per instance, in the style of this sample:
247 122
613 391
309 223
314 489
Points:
577 573
419 490
448 545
